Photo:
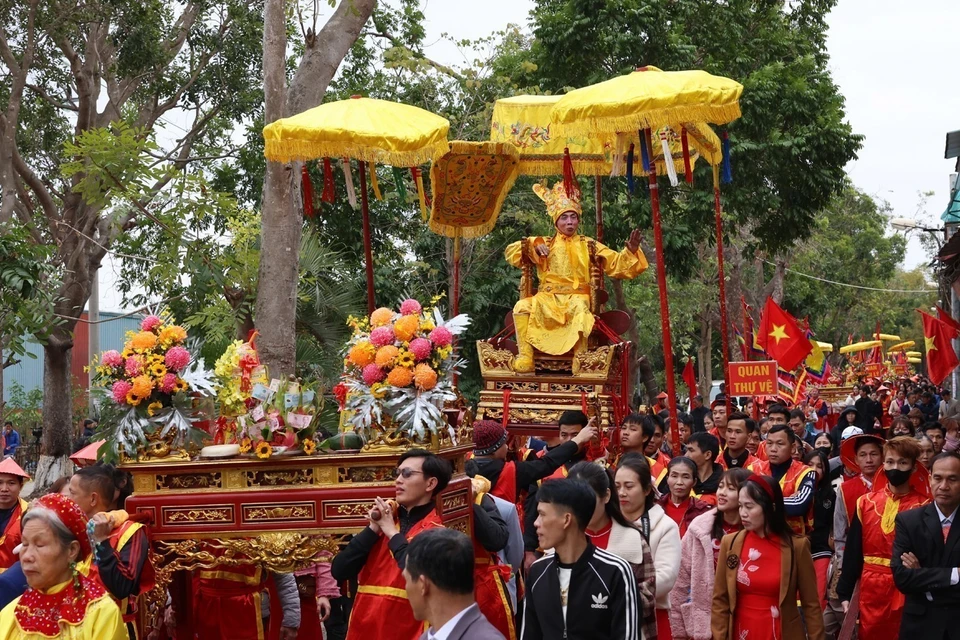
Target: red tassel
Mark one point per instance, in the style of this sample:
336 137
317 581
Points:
687 170
570 184
329 186
306 187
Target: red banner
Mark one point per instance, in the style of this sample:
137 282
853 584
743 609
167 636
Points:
875 369
753 378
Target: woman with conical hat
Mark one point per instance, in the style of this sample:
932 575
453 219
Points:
12 478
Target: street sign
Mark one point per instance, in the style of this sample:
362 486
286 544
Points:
753 378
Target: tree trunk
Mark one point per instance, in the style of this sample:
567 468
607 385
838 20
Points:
648 380
57 444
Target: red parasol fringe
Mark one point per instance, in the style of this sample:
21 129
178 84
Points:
687 170
306 187
329 186
570 184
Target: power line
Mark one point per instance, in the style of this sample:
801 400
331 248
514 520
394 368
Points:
853 286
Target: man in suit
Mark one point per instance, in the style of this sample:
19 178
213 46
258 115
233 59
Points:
439 584
926 554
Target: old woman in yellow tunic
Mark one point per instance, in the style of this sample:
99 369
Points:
558 318
59 602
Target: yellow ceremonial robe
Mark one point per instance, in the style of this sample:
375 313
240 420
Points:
560 311
101 622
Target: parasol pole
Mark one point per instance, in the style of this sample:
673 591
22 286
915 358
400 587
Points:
367 243
664 304
456 274
724 333
598 194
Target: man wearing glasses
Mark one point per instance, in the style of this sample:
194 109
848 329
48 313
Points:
376 556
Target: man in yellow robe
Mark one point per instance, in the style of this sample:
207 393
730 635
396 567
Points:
558 318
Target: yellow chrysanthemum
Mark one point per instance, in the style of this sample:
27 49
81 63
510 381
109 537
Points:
245 444
153 407
172 334
309 446
427 326
400 377
127 351
386 355
406 359
132 399
425 377
181 385
381 317
378 390
143 340
362 353
264 450
405 328
142 386
158 370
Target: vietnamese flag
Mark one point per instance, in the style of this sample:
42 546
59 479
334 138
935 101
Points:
947 319
781 338
941 358
690 378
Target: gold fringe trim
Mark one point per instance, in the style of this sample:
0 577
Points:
553 166
373 182
647 119
474 148
294 150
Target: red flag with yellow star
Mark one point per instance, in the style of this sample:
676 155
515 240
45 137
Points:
941 358
781 338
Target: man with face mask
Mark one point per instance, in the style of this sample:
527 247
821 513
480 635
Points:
557 318
870 540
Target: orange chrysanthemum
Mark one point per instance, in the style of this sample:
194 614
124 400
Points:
142 386
143 340
361 354
405 328
172 334
386 355
381 317
400 377
425 377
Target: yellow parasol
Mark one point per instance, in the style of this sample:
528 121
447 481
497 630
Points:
826 347
914 354
645 101
857 347
886 337
365 129
525 121
902 346
648 98
916 360
368 130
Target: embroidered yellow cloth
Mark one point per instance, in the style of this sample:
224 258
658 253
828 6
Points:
557 321
361 128
102 621
647 98
525 121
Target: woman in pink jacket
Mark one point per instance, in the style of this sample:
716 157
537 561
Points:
692 594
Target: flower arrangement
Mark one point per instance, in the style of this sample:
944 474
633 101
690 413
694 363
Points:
400 365
148 382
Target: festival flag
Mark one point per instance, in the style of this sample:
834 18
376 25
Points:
948 320
816 363
690 378
941 358
781 337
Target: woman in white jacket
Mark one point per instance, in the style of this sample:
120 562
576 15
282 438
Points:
634 486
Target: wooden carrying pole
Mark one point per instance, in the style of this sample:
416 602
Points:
724 323
367 242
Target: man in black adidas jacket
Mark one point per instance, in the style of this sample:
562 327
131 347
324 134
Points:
578 592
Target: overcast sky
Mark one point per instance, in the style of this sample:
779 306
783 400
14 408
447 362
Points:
892 61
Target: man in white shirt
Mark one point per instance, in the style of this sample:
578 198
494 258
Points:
439 585
926 554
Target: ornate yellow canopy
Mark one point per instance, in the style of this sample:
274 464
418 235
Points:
856 347
903 346
525 122
648 98
365 129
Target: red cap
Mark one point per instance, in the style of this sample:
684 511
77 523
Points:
9 466
70 515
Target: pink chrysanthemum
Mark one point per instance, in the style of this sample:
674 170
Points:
134 366
441 337
120 390
410 307
150 323
111 358
169 383
177 358
420 348
382 336
372 374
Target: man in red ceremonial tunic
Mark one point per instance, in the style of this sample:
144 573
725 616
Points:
870 540
637 432
12 507
735 454
490 576
376 556
796 479
861 453
122 545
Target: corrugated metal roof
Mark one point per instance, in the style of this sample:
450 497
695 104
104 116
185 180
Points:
29 373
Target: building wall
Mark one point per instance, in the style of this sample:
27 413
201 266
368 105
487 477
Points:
112 328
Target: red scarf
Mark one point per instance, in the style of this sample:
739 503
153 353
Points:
39 612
